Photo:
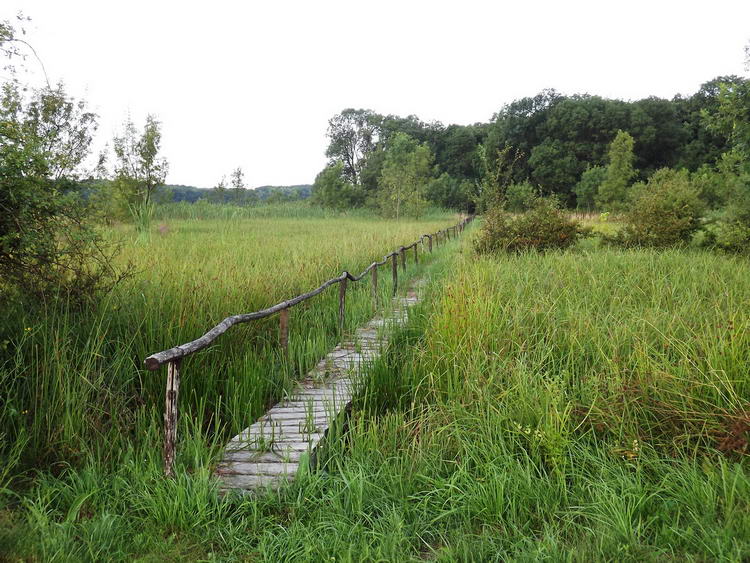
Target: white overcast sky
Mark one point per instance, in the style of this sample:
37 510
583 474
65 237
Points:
253 84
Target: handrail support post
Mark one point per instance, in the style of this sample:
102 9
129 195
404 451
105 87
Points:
170 416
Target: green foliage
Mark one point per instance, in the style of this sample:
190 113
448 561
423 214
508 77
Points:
353 134
587 187
407 169
520 196
543 227
332 189
449 193
555 165
48 244
139 170
666 211
728 227
496 174
613 191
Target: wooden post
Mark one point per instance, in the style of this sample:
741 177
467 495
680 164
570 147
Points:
170 416
416 257
402 251
375 287
284 332
429 244
342 303
394 267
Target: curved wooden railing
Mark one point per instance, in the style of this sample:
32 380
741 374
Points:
173 356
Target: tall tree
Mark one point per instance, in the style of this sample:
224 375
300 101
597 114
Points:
219 191
353 134
139 170
407 169
237 180
620 173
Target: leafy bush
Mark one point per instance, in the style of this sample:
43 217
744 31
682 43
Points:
729 227
666 211
48 241
520 197
542 227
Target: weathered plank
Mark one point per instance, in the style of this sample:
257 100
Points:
269 452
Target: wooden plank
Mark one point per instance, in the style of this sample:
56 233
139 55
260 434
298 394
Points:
267 454
252 468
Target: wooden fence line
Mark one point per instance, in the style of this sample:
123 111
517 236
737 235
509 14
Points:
173 356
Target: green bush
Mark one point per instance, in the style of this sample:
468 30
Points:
520 197
542 227
729 227
665 211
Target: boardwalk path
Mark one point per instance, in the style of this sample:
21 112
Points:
270 451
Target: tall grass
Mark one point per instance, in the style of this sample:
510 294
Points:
72 381
577 406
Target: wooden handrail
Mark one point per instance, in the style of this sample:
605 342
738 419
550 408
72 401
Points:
173 356
154 361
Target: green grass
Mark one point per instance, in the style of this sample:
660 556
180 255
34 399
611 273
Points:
72 382
587 405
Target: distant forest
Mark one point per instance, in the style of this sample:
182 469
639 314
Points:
191 194
547 141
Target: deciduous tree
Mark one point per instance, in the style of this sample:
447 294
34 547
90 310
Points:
407 169
613 190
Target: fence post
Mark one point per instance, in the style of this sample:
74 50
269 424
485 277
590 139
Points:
429 243
170 415
375 287
284 332
342 303
402 251
416 257
394 266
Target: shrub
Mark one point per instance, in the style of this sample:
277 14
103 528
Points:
666 211
49 243
520 197
542 227
729 227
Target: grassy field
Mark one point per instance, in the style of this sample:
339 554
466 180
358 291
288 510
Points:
75 396
586 405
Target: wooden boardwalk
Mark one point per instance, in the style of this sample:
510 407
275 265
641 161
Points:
270 452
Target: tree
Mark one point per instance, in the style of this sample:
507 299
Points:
48 242
406 171
449 192
620 173
353 134
333 190
587 187
139 170
219 191
495 176
239 192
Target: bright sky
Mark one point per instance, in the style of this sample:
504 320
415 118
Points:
253 83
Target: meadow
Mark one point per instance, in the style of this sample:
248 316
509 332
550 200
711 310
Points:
75 392
582 405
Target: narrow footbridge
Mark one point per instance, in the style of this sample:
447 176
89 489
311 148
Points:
271 450
288 435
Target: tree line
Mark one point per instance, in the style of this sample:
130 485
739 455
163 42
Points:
550 143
